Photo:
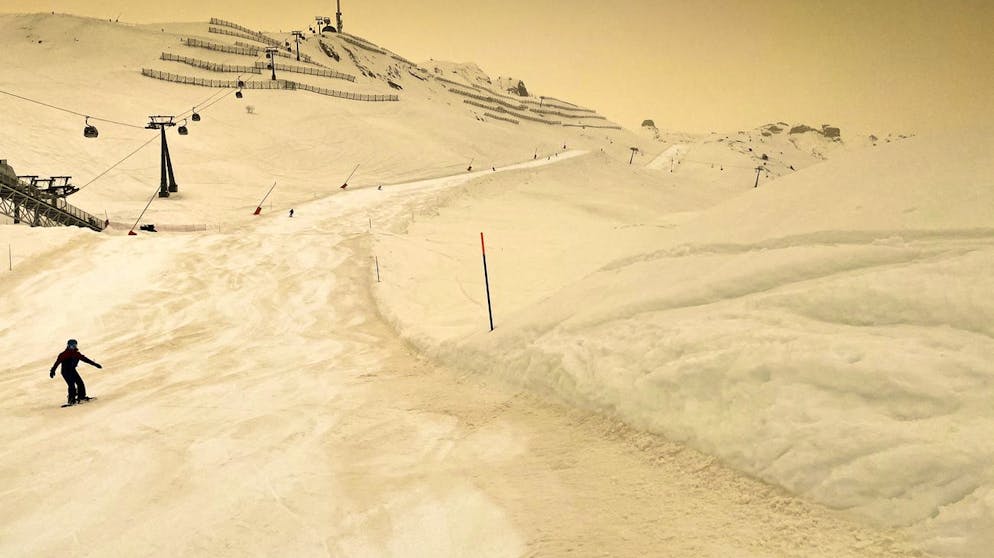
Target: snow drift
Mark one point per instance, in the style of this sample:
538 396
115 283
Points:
830 332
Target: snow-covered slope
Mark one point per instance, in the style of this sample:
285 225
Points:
310 142
823 332
829 331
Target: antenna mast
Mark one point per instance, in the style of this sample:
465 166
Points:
338 16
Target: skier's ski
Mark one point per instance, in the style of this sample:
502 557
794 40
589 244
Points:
81 401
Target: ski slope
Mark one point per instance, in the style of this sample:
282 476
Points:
682 364
252 401
828 332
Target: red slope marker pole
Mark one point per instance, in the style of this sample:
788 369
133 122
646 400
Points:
486 280
142 214
346 183
258 208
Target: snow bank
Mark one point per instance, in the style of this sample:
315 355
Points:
830 332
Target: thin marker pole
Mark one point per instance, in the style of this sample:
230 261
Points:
377 261
486 280
258 208
346 183
142 214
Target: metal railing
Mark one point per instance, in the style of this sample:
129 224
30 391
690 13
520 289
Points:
494 100
362 43
593 126
212 66
565 115
281 53
481 105
504 118
36 207
309 71
247 50
450 82
402 59
246 32
260 38
526 117
346 94
265 84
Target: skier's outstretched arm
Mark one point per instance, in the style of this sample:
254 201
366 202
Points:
51 373
88 361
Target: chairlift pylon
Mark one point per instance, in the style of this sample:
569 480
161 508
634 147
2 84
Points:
89 130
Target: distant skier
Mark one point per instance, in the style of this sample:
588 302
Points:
291 213
69 358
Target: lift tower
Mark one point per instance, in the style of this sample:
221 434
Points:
167 183
338 16
297 36
271 55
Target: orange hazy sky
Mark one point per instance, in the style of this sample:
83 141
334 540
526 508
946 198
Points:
867 65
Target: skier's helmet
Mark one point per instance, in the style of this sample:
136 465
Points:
71 343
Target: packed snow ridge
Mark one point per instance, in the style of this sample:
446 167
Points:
829 331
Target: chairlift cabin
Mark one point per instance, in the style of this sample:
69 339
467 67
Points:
238 94
182 130
89 130
195 116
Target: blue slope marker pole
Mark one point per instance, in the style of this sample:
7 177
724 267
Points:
486 280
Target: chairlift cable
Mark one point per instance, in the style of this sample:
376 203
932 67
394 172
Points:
142 214
207 106
128 156
201 105
70 111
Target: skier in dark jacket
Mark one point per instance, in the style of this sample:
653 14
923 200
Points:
69 358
